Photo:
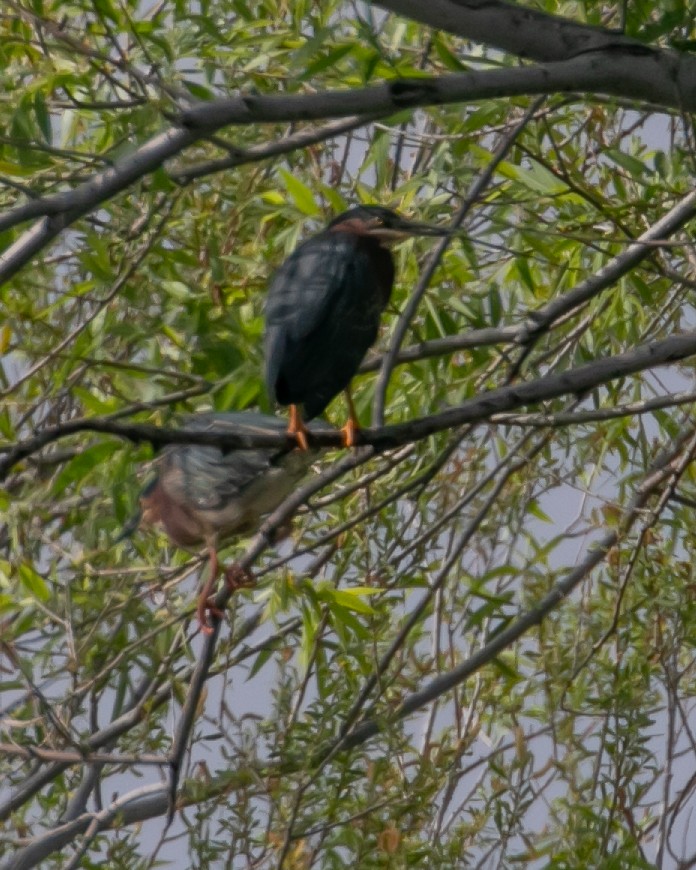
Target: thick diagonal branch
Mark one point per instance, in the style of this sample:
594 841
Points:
510 398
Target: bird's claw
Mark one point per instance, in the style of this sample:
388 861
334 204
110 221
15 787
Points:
237 577
349 433
206 605
301 438
210 607
297 428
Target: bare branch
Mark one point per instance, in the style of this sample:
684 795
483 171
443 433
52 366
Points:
300 139
661 77
441 346
574 381
615 269
72 757
664 473
518 30
480 184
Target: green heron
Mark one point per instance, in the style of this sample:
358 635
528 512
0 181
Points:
204 495
324 307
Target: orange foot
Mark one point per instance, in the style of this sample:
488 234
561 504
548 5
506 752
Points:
349 432
352 427
236 578
297 428
205 606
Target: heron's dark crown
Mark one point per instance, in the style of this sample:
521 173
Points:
369 214
383 224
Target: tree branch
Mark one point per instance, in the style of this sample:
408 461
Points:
611 272
664 472
480 183
521 31
256 153
486 337
661 77
151 801
510 398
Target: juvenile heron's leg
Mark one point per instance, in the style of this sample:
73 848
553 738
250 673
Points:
297 428
206 601
236 578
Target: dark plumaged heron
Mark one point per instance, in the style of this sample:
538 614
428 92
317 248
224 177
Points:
204 495
323 311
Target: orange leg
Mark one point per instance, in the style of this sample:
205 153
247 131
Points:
297 428
352 427
235 577
205 598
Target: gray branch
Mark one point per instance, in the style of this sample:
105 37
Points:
517 30
656 76
138 805
510 398
664 473
153 800
612 271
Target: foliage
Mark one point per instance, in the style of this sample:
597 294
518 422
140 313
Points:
571 747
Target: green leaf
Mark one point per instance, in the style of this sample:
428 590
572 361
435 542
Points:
33 582
301 194
310 623
329 59
198 90
537 178
534 509
631 164
260 661
348 598
105 8
94 404
42 117
87 461
177 290
8 603
495 305
505 669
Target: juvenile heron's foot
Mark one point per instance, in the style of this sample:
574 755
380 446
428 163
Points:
297 428
206 605
237 578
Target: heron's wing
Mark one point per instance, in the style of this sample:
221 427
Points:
208 479
304 290
322 315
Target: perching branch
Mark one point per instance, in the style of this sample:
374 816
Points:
510 398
